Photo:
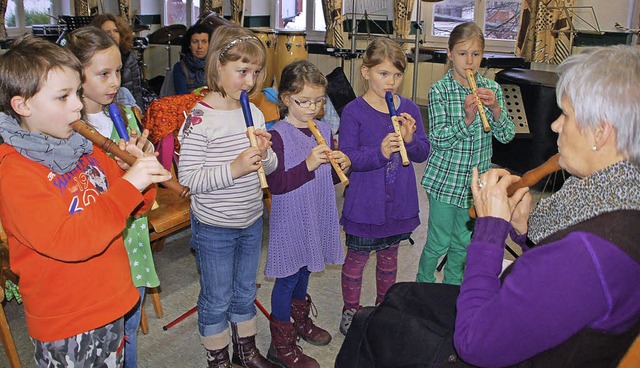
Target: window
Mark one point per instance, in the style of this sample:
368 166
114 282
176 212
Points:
294 15
181 12
25 13
499 20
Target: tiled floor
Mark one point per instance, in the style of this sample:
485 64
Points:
179 346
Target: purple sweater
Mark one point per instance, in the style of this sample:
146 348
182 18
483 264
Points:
564 286
372 208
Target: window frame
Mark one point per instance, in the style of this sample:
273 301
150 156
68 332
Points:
491 45
311 34
58 7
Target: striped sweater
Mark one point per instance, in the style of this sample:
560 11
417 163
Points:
211 140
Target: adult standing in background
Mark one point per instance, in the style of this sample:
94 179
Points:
188 73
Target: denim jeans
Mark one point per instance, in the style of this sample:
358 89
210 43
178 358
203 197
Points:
131 323
228 262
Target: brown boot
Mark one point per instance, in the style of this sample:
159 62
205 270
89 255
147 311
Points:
245 351
284 349
218 358
304 324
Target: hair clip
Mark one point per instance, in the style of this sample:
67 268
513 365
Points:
235 42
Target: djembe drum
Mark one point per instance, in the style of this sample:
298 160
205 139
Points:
290 46
268 38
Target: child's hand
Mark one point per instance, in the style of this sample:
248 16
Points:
264 141
407 126
317 157
246 162
390 144
146 171
341 159
489 99
470 109
134 147
142 142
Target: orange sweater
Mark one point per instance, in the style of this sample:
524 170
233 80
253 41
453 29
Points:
65 241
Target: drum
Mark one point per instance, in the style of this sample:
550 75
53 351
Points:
290 46
268 38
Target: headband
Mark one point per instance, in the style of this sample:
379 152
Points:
235 42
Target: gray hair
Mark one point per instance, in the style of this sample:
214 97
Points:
603 84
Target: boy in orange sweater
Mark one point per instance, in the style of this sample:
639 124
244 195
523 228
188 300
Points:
64 204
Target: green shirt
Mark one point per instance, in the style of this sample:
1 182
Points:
455 147
136 232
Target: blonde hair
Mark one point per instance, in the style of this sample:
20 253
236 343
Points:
381 49
232 43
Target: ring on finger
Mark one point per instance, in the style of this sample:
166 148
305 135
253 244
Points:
481 184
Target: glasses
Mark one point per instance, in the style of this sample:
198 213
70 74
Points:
308 104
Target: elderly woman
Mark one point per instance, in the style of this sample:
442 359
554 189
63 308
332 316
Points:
188 73
574 299
119 30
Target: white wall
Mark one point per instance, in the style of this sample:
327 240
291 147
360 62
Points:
610 12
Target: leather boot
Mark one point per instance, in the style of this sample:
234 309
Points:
218 358
284 349
311 333
245 351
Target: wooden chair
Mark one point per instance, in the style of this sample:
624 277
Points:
632 358
170 216
5 333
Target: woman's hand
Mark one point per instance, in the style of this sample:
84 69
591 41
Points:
317 156
390 144
407 126
521 212
490 193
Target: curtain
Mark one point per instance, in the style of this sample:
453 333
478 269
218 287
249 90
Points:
3 28
124 7
333 19
540 37
81 7
207 6
237 11
402 17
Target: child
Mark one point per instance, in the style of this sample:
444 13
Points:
101 63
304 233
219 166
63 204
459 144
381 202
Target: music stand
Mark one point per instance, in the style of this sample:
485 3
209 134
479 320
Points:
72 23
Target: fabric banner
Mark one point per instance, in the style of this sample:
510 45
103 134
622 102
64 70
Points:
333 18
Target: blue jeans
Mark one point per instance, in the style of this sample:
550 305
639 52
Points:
228 262
131 323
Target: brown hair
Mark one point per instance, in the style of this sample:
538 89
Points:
382 48
85 41
26 65
232 43
126 34
295 76
465 32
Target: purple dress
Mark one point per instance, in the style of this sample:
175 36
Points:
303 224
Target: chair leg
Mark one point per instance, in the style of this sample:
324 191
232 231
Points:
6 337
155 299
144 324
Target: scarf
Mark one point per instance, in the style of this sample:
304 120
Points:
616 187
195 66
59 155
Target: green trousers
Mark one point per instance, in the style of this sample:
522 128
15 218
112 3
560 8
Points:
449 233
